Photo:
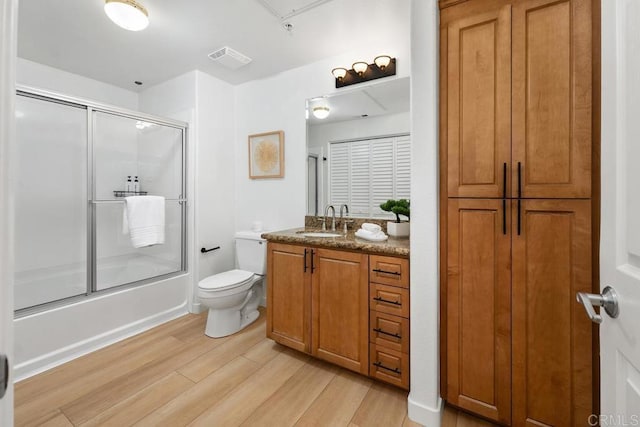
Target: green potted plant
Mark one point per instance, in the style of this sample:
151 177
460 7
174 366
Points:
398 228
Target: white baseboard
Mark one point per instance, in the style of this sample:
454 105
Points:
63 355
422 414
196 308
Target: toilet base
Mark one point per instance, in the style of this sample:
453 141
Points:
224 322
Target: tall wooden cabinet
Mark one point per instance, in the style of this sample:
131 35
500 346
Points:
516 150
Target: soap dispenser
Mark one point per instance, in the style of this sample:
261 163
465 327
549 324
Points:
128 186
136 185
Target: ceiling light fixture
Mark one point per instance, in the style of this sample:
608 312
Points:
321 112
383 66
128 14
360 67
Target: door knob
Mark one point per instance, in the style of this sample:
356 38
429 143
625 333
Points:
607 299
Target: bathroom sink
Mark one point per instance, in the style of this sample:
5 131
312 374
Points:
320 234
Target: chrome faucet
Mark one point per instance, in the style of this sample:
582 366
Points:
342 218
326 213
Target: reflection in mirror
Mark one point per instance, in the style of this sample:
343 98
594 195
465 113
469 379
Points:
360 153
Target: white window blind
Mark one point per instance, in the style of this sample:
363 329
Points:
364 174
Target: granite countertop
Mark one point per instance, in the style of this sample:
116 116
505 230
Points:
393 246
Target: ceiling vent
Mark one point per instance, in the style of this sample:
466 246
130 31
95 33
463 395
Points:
229 58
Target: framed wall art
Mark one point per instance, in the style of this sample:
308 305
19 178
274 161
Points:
266 155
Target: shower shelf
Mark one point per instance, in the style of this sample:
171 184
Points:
122 193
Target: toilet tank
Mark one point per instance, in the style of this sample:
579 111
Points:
251 251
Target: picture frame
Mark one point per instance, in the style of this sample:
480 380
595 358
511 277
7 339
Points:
266 155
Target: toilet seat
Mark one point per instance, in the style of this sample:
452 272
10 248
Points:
224 281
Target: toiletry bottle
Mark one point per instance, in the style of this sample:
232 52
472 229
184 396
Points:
136 185
128 185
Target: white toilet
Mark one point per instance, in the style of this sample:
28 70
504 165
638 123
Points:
233 296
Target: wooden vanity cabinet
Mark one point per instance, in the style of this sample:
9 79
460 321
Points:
318 303
348 308
389 318
340 308
289 294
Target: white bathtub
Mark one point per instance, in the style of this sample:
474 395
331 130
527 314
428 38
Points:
59 334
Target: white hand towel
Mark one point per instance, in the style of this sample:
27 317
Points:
378 236
143 219
371 227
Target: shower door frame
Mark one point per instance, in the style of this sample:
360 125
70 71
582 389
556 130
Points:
92 202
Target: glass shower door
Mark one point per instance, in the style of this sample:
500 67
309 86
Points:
129 147
50 201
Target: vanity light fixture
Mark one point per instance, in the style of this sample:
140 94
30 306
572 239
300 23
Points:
383 66
321 112
339 73
382 61
128 14
360 67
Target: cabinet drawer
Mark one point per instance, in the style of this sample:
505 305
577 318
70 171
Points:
389 270
389 365
389 331
389 299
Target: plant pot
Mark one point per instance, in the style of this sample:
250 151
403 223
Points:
398 229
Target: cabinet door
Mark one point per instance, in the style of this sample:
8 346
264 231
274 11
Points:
478 97
552 105
478 310
552 341
340 309
289 295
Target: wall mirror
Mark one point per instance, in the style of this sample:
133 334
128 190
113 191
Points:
359 148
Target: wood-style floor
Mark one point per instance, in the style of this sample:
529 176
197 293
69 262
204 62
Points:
173 375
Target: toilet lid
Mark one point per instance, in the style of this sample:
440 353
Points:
228 279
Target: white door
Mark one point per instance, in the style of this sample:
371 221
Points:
620 232
8 22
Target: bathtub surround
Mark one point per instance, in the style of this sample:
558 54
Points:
48 338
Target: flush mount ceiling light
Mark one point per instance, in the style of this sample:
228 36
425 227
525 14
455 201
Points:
383 66
321 112
339 73
127 14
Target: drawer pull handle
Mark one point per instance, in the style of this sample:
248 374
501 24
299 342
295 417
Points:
380 331
394 370
387 301
395 273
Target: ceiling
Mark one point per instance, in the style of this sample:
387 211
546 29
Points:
378 99
77 36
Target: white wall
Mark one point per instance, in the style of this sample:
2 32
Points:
215 174
8 42
41 76
278 103
207 104
425 405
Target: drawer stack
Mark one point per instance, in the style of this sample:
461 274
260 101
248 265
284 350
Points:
389 319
